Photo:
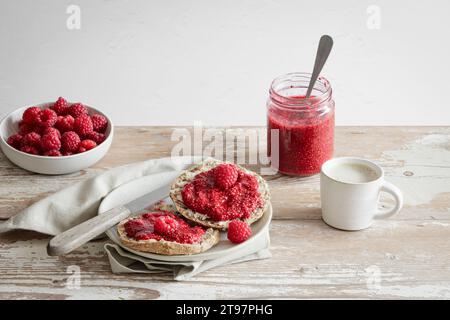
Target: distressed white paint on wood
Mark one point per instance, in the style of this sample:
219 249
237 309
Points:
403 257
425 161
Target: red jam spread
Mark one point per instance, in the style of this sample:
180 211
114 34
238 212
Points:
223 193
163 225
305 139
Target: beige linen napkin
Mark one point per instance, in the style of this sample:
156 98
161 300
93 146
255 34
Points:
126 262
79 202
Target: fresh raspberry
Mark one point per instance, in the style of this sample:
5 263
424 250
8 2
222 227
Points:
99 122
96 137
52 153
47 118
166 225
15 141
53 131
30 150
86 145
77 109
70 141
238 231
25 128
67 153
65 123
83 125
32 139
50 142
61 107
225 175
31 115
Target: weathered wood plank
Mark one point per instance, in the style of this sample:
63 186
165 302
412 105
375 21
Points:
393 259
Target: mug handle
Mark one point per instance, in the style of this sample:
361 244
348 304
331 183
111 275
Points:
398 196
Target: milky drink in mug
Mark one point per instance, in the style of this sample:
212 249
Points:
350 190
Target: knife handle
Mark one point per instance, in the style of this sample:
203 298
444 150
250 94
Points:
75 237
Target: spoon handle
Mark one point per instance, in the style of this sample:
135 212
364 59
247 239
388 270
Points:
323 51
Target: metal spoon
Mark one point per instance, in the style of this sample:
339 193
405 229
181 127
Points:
323 51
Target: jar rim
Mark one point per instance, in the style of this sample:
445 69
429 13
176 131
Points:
322 86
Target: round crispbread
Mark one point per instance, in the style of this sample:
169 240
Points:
202 219
209 239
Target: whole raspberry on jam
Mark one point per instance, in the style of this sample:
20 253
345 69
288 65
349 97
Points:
53 131
52 153
70 142
32 139
166 226
77 109
83 125
31 115
238 231
15 141
99 122
65 123
96 137
225 175
47 118
61 106
30 150
86 145
50 142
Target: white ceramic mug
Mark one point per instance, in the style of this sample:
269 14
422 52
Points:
349 192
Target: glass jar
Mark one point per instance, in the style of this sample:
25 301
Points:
300 131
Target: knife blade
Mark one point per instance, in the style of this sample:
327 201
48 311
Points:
75 237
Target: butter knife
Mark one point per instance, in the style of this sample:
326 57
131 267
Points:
75 237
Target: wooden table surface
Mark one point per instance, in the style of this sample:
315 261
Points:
406 256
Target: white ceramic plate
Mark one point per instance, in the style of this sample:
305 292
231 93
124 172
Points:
127 193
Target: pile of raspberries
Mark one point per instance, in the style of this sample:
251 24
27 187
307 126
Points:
61 130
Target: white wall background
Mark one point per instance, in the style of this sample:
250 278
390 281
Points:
174 62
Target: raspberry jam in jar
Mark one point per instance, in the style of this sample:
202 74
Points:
300 129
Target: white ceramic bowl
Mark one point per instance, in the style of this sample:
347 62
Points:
51 165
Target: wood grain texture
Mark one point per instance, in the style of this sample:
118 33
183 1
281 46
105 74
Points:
407 256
